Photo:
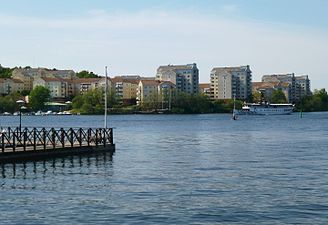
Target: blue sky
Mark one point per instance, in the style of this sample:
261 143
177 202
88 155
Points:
136 36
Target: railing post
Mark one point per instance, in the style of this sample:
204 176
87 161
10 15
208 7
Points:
104 136
89 135
111 136
14 142
71 137
34 138
96 137
80 140
44 139
3 142
53 137
62 137
24 140
9 133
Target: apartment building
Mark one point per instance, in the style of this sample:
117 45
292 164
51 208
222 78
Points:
8 86
184 77
205 88
125 88
154 90
267 88
83 85
27 75
299 86
58 87
303 85
227 82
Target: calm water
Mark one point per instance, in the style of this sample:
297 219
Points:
178 169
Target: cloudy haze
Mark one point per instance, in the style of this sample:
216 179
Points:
137 41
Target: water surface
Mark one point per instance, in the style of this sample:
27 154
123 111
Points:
178 169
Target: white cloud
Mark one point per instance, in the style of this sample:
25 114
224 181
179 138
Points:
139 42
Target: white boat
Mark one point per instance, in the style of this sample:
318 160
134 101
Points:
266 109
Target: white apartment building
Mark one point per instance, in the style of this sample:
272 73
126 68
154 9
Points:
184 77
227 82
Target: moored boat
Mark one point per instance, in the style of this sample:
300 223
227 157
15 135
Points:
266 109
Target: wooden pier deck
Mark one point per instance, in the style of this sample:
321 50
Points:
42 143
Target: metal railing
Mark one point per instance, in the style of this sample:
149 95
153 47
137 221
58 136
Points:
29 139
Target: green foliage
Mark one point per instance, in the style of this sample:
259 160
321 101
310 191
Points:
86 74
8 103
278 96
25 93
256 97
186 103
5 72
92 102
183 103
316 102
38 97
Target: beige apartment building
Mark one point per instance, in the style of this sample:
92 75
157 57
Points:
227 82
8 86
154 90
125 88
83 85
58 87
27 75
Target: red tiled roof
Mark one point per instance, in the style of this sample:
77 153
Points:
150 82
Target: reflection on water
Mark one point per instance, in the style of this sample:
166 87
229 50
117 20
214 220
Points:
28 170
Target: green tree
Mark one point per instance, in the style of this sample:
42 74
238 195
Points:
91 102
5 72
278 96
38 97
316 102
86 74
256 97
8 102
25 93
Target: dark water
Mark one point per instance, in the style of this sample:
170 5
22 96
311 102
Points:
173 169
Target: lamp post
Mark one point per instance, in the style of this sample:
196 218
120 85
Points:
20 103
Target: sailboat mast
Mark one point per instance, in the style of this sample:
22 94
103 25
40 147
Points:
106 91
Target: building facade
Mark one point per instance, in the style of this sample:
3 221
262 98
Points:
227 82
184 77
154 91
299 86
125 88
266 89
205 88
8 86
27 75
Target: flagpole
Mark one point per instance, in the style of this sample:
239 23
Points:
106 90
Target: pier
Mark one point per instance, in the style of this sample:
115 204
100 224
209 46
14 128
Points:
31 144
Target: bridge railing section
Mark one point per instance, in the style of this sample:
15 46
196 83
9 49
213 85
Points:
16 139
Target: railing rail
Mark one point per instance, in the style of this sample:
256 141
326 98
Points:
16 139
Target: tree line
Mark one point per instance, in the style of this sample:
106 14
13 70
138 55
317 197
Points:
37 99
92 102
